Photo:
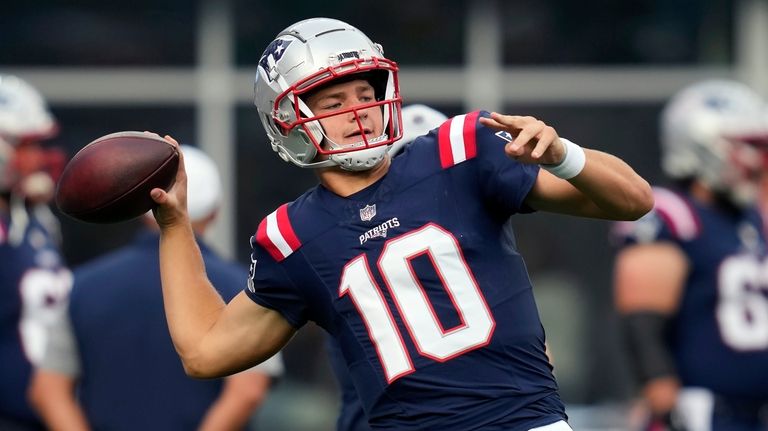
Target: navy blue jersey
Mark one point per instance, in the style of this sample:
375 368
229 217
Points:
131 376
434 314
33 284
719 336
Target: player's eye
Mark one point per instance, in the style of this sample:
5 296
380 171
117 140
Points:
330 105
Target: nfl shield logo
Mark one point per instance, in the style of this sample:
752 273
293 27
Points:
368 213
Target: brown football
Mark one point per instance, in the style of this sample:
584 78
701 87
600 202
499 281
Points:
109 180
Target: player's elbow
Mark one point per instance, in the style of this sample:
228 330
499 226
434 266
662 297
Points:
199 370
633 202
198 367
641 200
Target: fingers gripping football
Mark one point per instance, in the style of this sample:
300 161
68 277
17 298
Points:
171 206
535 142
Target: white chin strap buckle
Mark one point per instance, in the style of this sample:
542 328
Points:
361 160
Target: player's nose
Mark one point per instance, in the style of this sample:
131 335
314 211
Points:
354 114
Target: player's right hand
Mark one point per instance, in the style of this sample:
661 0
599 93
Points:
171 209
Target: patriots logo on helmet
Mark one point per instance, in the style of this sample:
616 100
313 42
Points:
273 54
716 103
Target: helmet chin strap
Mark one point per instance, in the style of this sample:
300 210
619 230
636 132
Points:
360 160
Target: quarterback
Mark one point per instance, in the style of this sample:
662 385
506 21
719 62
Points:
436 321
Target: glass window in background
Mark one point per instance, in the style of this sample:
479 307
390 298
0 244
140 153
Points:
649 32
425 32
114 33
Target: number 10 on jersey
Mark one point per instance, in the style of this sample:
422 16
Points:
413 304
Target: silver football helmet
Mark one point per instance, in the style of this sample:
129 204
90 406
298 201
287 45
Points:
716 131
24 117
203 183
306 56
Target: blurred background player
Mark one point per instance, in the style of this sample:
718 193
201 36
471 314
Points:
418 120
33 279
691 279
111 363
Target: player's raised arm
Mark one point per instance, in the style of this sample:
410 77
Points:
211 337
598 184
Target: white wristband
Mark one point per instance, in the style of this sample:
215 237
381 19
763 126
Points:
571 165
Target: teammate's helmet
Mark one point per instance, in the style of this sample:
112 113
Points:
306 56
717 132
203 183
417 120
24 117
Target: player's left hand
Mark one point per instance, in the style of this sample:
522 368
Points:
534 143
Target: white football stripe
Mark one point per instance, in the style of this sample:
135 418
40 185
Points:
274 235
456 137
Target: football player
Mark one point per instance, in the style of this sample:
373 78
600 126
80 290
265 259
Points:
33 279
400 259
691 280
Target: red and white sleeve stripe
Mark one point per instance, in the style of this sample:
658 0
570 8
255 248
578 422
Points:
276 234
677 213
457 139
